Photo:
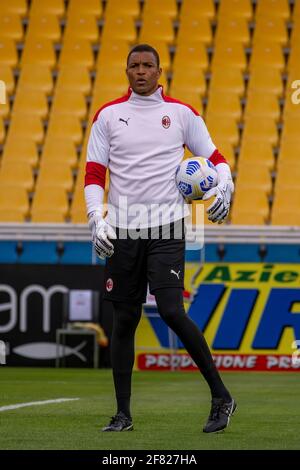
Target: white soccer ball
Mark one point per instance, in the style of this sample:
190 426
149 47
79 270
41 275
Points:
195 176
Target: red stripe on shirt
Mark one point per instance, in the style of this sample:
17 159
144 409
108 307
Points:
216 157
95 174
168 99
111 103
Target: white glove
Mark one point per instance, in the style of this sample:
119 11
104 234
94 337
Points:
219 209
101 233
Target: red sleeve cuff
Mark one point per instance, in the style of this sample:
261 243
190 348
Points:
216 157
95 174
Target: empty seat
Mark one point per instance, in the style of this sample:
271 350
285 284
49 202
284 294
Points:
269 8
47 7
16 173
223 104
119 28
285 207
49 209
69 102
36 77
14 204
262 104
261 129
2 131
229 55
270 29
189 97
238 8
74 78
192 55
59 152
222 129
26 126
44 26
266 80
78 208
291 127
16 7
82 27
39 51
88 7
157 8
11 27
233 28
161 28
288 175
250 175
196 9
224 79
256 152
33 102
6 76
77 52
112 54
55 175
267 55
23 150
65 126
250 207
194 30
289 149
129 8
8 52
191 80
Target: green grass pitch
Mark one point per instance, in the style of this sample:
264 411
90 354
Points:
169 410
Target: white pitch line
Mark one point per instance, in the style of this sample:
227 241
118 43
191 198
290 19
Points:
35 403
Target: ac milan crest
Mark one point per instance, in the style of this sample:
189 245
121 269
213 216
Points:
166 122
109 285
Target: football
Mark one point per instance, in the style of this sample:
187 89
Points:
195 176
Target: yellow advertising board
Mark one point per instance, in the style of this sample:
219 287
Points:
249 313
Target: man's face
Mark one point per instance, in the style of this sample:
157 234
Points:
143 73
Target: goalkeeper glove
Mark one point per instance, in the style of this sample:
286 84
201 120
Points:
101 233
219 209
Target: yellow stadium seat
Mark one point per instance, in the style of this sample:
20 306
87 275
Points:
77 52
120 8
59 152
33 102
270 29
82 27
194 30
21 150
161 28
190 80
224 79
49 209
16 173
86 7
267 80
269 8
189 97
285 216
158 8
291 127
2 131
118 28
239 8
288 175
224 104
112 55
65 126
196 9
39 51
250 175
74 78
259 153
267 55
285 207
222 129
13 198
260 104
235 28
47 7
229 55
15 7
44 26
69 102
293 65
248 217
248 203
55 175
192 56
261 129
78 207
291 109
6 76
11 27
36 77
115 77
26 126
289 149
8 52
227 150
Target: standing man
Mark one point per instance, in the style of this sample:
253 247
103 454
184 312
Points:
140 138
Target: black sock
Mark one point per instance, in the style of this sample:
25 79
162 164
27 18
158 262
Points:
126 319
171 309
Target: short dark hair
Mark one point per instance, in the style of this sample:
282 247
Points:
145 48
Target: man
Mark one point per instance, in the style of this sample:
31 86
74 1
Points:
140 138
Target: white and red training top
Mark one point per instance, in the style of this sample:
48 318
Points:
141 140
